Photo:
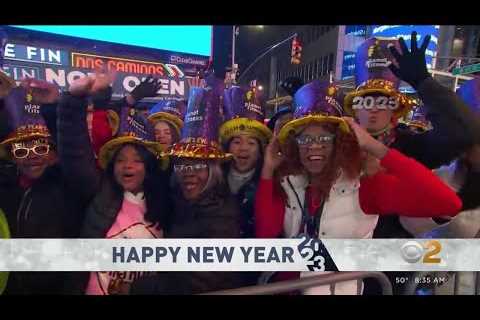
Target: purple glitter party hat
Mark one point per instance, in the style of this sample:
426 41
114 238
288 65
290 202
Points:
24 117
200 138
372 61
245 114
317 101
242 103
317 97
373 75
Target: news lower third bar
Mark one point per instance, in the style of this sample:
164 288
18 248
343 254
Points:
297 254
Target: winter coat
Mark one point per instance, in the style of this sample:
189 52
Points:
104 198
214 215
246 201
454 129
50 208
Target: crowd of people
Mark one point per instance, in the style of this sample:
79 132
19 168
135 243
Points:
335 164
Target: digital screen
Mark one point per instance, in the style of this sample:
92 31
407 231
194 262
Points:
186 39
405 31
348 66
356 30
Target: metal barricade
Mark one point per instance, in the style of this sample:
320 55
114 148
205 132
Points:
308 282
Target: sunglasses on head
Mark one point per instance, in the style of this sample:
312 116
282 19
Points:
20 151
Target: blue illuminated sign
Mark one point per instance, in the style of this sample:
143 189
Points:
35 54
195 40
348 66
356 30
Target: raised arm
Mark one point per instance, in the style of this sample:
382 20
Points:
74 146
404 187
269 205
407 188
147 88
454 124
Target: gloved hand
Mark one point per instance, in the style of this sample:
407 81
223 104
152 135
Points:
147 88
101 98
412 67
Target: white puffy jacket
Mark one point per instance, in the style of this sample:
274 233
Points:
342 217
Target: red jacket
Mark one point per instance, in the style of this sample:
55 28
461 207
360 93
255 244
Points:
99 129
406 187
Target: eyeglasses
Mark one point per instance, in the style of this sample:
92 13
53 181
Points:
21 152
180 168
307 140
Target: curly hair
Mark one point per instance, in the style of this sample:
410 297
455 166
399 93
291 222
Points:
346 158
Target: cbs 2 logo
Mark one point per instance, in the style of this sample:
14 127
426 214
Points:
368 102
412 251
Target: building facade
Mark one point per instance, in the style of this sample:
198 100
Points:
319 60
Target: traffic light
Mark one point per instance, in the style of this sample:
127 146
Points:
296 51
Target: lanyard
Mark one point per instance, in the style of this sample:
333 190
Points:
311 223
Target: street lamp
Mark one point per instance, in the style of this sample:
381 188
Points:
260 88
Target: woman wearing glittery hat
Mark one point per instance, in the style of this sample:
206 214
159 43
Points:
378 104
167 119
245 136
203 205
37 197
312 181
128 196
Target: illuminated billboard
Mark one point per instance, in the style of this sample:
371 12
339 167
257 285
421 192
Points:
61 67
195 40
